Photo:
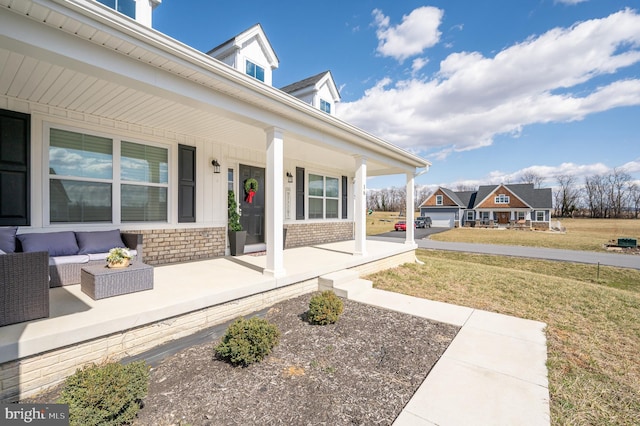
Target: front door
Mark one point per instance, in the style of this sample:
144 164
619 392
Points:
252 218
503 217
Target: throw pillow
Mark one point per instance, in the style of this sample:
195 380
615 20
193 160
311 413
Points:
56 243
98 241
8 238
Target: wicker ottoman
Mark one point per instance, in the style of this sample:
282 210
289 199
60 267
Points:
100 282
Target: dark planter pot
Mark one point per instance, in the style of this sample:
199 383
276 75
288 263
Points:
236 242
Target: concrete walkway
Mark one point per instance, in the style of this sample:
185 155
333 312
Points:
493 373
591 257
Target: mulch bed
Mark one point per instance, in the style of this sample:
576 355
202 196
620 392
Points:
360 371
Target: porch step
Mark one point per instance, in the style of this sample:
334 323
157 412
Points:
328 281
345 283
352 288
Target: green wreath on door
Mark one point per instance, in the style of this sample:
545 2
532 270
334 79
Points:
250 188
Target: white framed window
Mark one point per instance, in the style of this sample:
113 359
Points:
91 177
522 215
470 215
126 7
324 197
325 106
540 216
502 199
230 180
439 200
255 71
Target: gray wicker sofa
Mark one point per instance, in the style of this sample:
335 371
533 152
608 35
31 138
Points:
69 251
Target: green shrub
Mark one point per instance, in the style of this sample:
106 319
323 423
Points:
324 308
107 394
248 341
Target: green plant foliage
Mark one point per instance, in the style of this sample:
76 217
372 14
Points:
324 308
107 394
248 341
234 216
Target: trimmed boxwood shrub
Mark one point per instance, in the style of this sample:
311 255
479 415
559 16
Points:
324 308
248 341
106 394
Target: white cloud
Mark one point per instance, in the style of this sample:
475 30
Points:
570 2
418 64
418 31
473 98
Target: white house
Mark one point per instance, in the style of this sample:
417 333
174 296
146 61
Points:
107 123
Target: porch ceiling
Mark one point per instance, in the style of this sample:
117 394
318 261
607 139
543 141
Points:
76 67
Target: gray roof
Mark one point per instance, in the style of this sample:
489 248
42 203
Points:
536 198
307 82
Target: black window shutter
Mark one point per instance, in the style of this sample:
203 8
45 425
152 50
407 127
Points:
186 183
299 193
15 188
345 197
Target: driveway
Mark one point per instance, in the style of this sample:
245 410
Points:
591 257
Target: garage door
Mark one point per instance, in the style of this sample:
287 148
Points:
442 220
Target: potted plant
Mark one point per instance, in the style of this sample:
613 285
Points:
119 257
237 237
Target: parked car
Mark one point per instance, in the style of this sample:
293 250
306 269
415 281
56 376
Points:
401 225
423 222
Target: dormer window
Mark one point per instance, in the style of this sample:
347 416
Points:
325 106
438 200
502 199
126 7
255 71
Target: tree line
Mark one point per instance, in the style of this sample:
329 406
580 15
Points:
610 195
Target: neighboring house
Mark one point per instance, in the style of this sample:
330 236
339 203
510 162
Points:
518 205
107 123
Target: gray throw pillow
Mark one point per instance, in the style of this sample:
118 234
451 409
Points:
56 243
8 238
98 241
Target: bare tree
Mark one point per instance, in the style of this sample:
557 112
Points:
533 178
618 195
634 197
595 193
567 196
462 187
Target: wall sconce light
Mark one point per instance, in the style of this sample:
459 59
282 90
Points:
216 166
289 177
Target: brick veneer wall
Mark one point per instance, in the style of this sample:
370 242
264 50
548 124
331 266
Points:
162 246
306 234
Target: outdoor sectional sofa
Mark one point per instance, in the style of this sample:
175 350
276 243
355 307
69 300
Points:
32 263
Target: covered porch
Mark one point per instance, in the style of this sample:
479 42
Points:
186 298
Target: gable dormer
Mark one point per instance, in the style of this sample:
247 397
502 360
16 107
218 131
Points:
249 52
319 91
138 10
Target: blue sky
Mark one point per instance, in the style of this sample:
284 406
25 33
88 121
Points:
486 91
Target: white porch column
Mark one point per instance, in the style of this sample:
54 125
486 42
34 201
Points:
361 206
409 239
274 194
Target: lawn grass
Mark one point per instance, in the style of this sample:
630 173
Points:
379 222
581 234
593 332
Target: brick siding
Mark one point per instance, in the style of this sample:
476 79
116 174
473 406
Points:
163 246
307 234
